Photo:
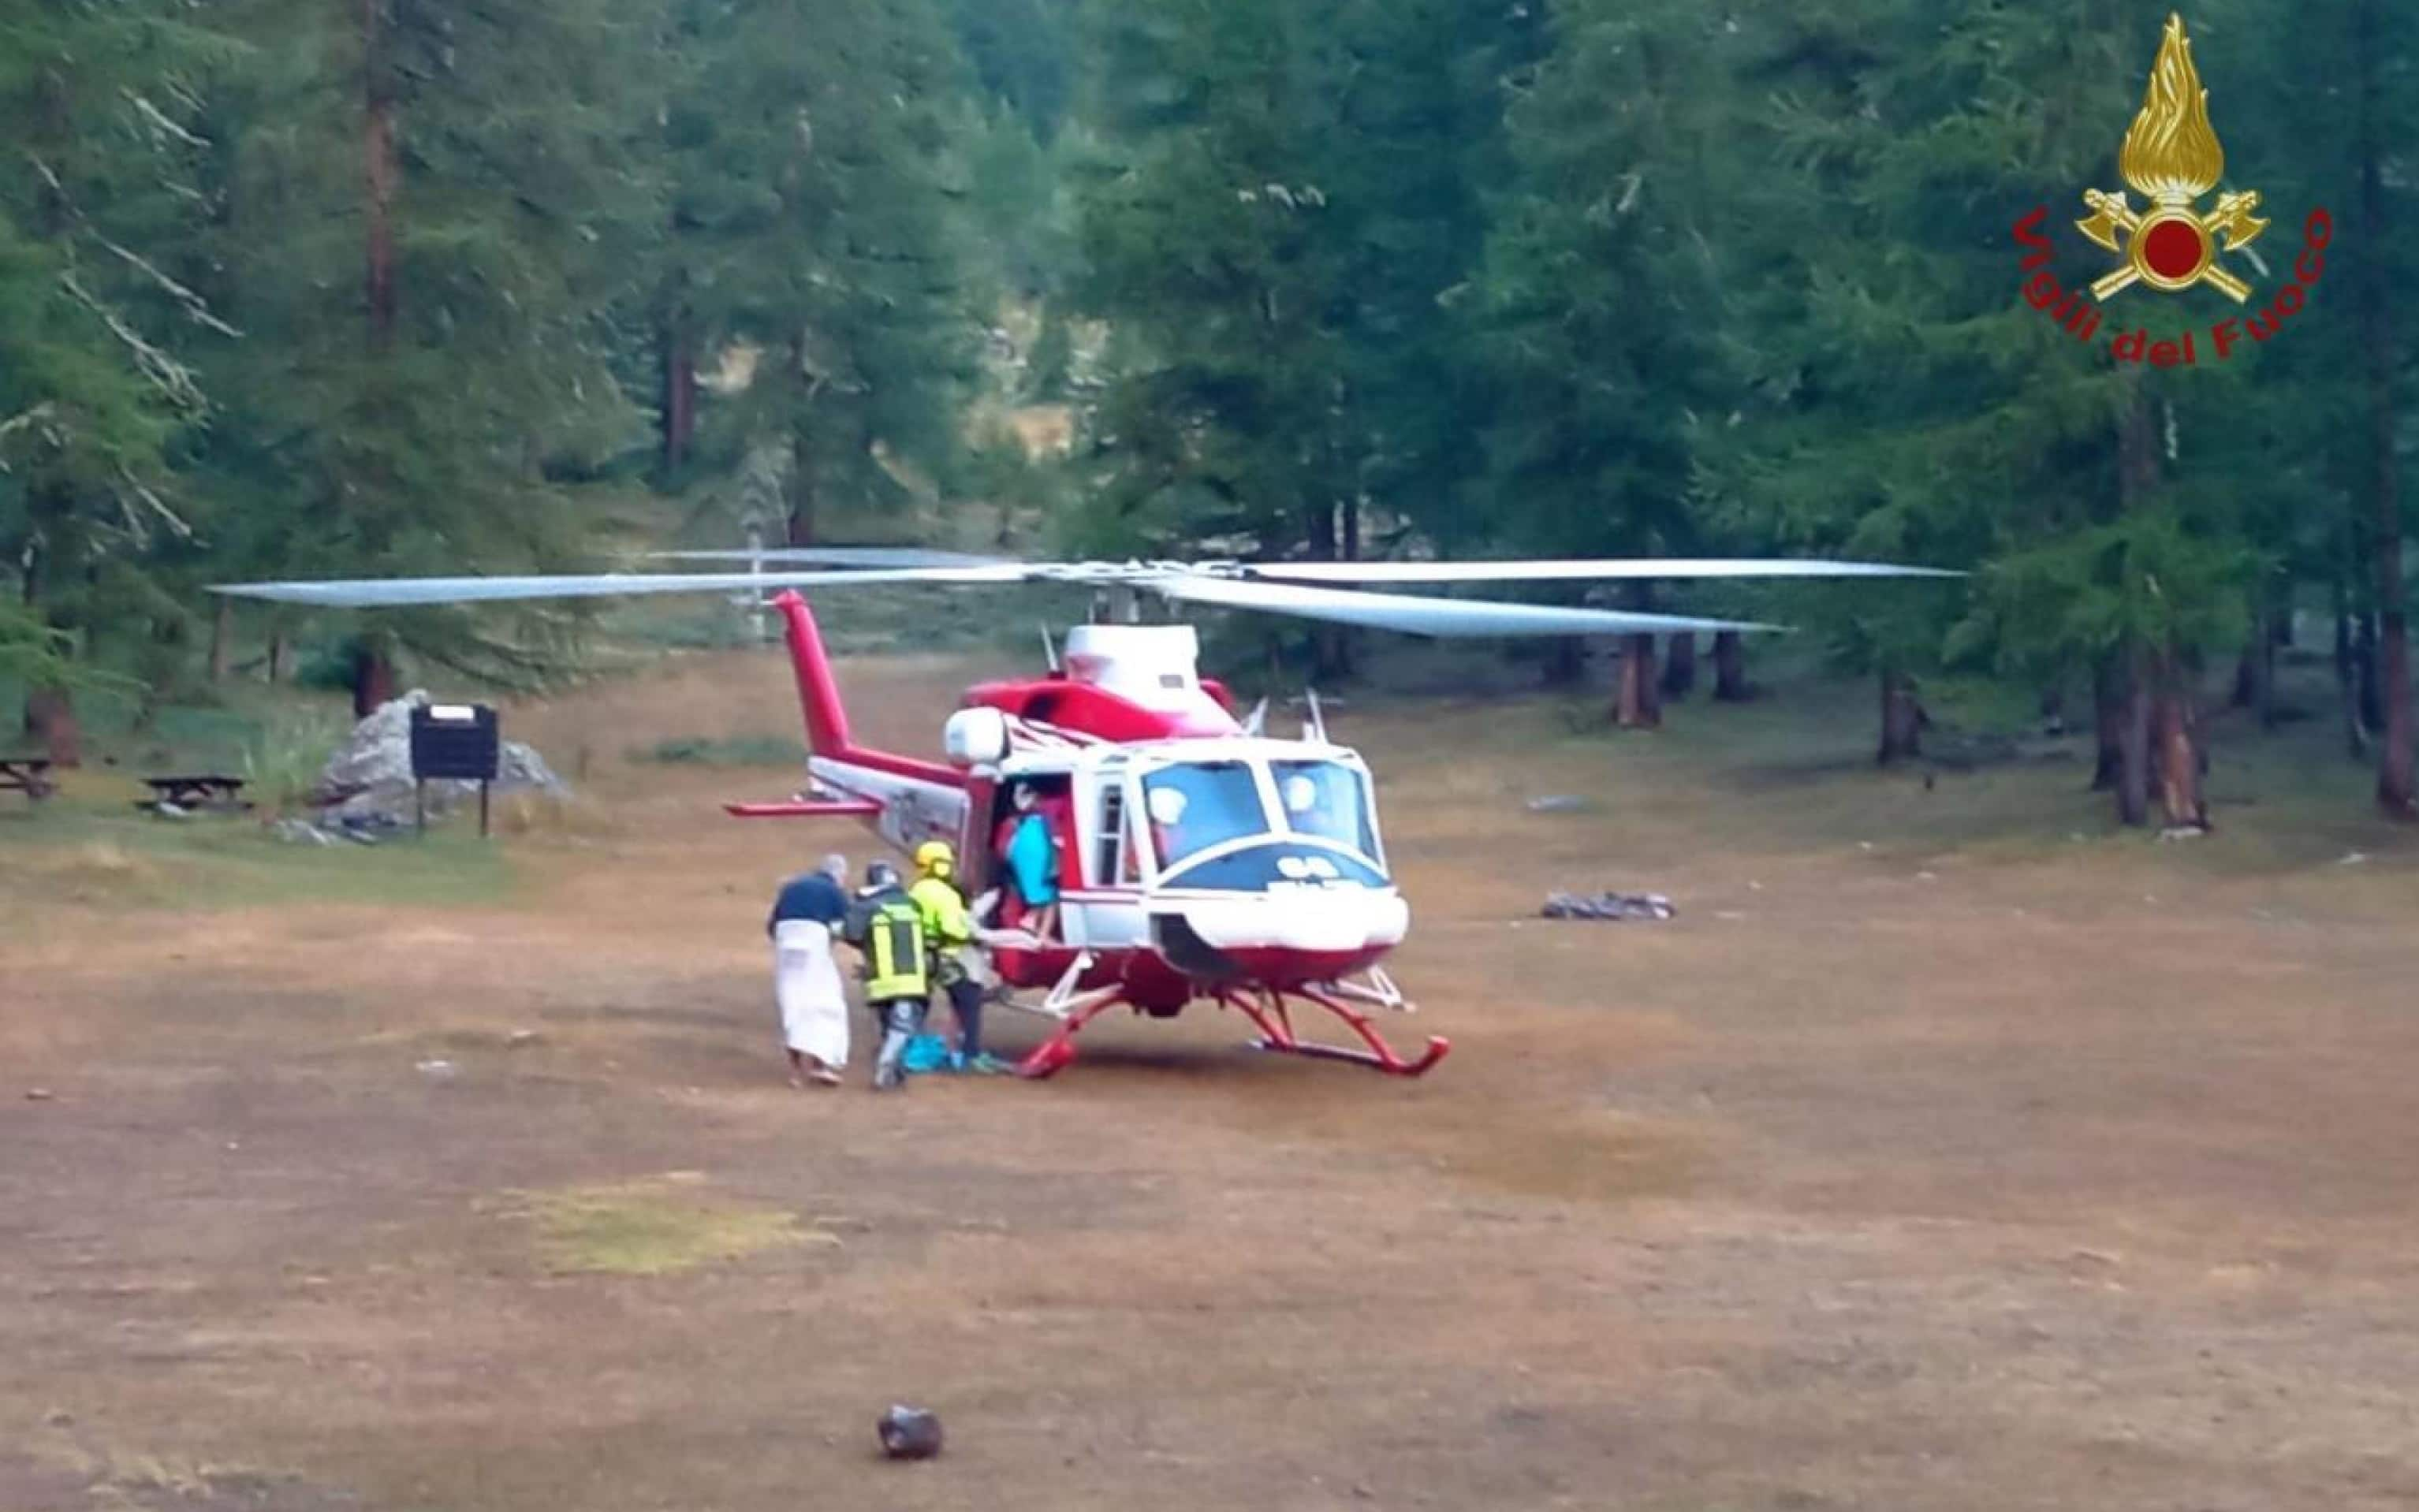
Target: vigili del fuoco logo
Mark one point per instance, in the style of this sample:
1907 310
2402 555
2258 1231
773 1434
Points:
2171 158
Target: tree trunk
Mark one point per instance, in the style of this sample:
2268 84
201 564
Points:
2368 696
1901 719
1346 652
2108 719
1680 667
1639 706
223 640
1730 668
799 529
679 397
379 161
373 681
2138 478
1566 661
2392 666
2176 728
50 719
2134 744
2255 674
276 660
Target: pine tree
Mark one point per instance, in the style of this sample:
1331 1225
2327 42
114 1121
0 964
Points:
97 379
1602 302
1218 252
813 220
1923 409
429 363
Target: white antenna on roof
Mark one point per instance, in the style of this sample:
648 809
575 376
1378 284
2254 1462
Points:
1049 648
1314 728
1257 722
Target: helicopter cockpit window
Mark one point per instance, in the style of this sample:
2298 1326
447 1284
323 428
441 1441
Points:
1200 804
1326 799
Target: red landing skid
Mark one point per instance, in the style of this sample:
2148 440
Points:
1271 1015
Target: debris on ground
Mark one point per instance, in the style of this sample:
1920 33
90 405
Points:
909 1433
1558 803
38 1094
1607 906
369 778
440 1070
520 1037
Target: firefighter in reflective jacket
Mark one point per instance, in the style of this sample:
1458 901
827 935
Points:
957 959
886 925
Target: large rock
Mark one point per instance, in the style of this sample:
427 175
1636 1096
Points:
369 777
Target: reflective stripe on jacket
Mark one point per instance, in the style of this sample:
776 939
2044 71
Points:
894 952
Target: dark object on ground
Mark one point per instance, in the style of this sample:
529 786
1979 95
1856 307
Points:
28 774
195 793
1607 906
909 1433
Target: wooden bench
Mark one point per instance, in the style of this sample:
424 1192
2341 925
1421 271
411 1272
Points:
28 774
197 791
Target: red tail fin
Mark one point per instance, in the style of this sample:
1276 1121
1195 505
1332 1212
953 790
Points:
818 694
827 732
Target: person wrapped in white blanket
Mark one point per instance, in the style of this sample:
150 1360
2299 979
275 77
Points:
806 918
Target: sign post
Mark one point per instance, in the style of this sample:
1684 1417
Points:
458 742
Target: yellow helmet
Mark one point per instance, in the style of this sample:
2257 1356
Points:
935 858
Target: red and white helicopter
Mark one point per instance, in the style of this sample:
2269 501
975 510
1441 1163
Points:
1199 857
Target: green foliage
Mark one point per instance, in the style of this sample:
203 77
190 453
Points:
1373 277
286 754
814 161
33 653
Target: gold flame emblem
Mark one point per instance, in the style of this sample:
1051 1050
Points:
2172 157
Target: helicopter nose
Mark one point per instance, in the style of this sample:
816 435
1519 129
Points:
1335 921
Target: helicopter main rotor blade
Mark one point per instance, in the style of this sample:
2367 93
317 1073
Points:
1431 616
394 593
843 556
1599 569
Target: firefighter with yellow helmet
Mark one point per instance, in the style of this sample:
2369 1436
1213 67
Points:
956 959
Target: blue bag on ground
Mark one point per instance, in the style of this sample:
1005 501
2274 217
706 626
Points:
925 1053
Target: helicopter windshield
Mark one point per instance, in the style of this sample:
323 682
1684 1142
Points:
1196 805
1328 800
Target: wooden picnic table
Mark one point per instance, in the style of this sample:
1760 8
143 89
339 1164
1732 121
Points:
197 790
28 774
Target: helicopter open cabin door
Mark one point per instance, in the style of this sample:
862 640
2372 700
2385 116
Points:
1104 910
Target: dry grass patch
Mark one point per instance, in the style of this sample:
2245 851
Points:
657 1227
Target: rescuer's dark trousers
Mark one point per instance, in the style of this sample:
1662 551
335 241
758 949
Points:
965 1006
901 1020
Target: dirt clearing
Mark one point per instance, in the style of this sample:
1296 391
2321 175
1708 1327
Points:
1929 1158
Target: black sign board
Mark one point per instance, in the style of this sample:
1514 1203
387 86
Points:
456 741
